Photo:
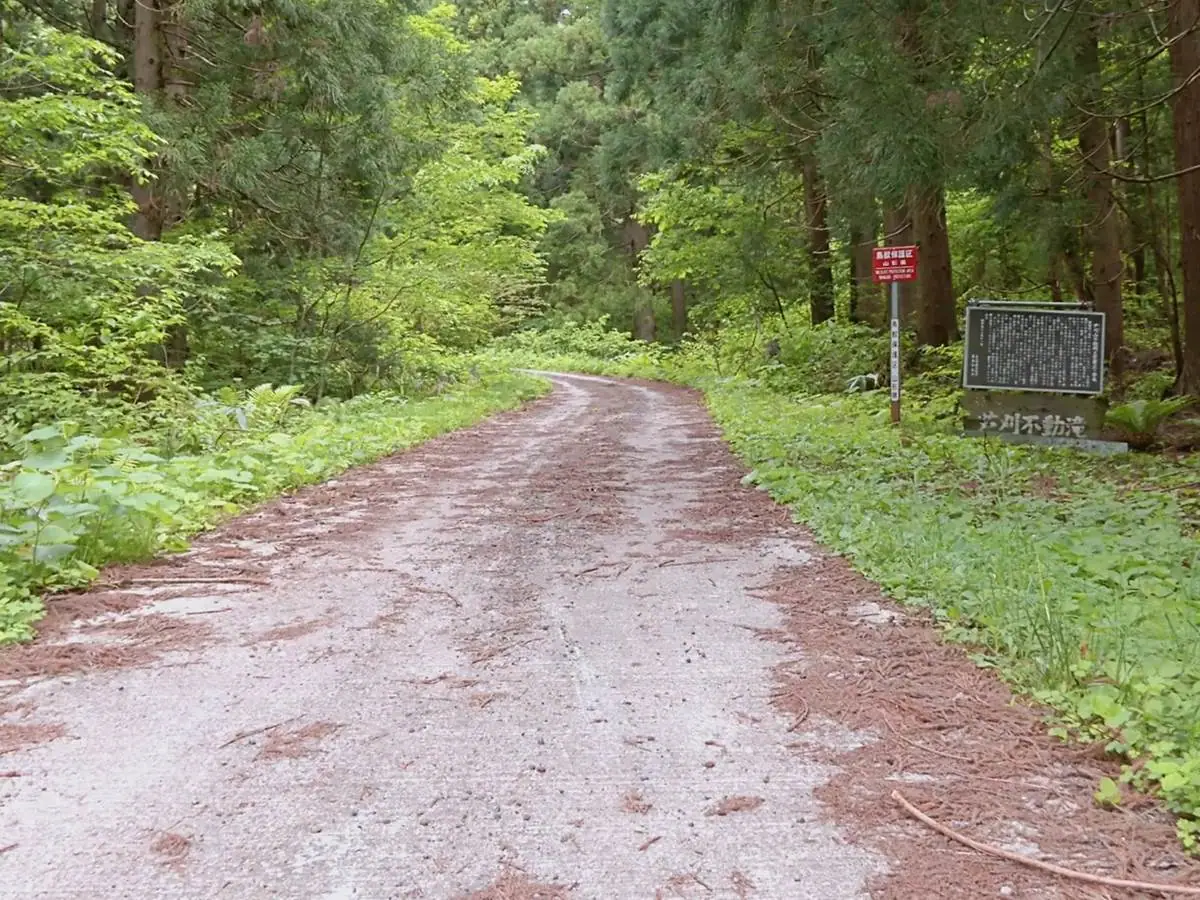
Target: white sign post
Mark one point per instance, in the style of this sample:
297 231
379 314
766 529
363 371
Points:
892 265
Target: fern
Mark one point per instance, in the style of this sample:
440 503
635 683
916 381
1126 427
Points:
1141 420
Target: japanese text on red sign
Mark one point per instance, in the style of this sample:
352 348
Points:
894 264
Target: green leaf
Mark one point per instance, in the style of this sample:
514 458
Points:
47 553
47 460
55 534
32 488
44 433
1108 794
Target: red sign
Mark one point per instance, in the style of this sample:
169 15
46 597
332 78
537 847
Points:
894 264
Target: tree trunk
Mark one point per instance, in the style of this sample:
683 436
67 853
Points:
159 49
147 81
820 291
1184 30
1103 229
636 237
1134 231
1054 276
937 312
866 299
855 273
898 232
644 326
679 309
1160 249
97 18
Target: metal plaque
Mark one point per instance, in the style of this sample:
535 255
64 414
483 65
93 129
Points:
1034 349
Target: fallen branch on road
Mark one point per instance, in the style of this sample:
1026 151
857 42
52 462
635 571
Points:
622 568
801 717
241 736
946 831
436 592
234 580
499 651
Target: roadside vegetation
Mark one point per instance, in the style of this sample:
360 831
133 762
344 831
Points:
227 274
71 501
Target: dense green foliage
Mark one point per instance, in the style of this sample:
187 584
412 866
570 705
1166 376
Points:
85 303
347 230
198 199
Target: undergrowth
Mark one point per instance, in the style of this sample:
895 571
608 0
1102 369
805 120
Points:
1077 577
71 502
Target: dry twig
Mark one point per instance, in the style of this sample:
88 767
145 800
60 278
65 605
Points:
241 736
126 581
1182 889
923 747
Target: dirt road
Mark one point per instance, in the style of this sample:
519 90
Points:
523 661
529 646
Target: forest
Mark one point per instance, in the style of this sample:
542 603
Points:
247 244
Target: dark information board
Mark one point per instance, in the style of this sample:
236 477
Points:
1028 349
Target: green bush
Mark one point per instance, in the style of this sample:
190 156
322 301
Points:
591 340
1151 386
826 358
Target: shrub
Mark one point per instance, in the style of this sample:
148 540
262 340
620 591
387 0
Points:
826 358
1140 421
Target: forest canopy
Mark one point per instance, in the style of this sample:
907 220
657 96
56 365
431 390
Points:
347 195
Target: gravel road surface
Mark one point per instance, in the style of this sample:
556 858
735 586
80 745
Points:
521 661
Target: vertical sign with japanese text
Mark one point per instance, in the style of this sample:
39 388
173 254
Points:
891 265
894 356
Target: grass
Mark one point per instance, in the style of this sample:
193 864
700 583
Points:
1077 583
71 503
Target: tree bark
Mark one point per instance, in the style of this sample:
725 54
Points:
645 328
636 237
866 299
1103 229
1130 204
159 48
147 81
820 290
679 309
160 74
97 18
937 311
1184 30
